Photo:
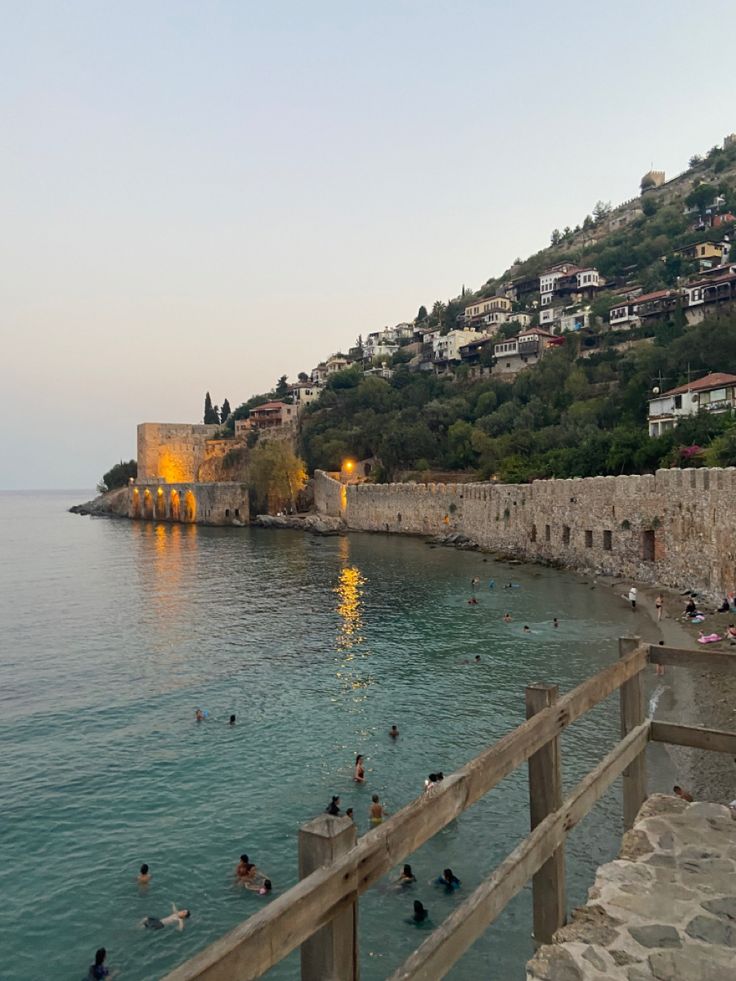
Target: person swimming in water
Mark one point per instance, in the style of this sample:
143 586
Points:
393 732
555 622
376 812
420 913
449 880
245 869
472 601
507 618
359 772
198 715
407 876
265 888
232 720
175 918
98 971
526 630
333 808
144 876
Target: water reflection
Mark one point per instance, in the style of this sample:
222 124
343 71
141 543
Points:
350 641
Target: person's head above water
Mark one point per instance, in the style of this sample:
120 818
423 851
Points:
358 758
144 869
420 913
100 956
184 914
477 658
267 886
374 798
447 875
244 859
232 720
407 870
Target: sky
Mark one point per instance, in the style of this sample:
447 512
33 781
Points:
207 195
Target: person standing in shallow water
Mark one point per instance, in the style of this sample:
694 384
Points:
377 813
144 876
97 971
359 772
394 732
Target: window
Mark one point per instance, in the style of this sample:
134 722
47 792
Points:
678 401
227 512
607 541
547 533
565 534
534 533
588 539
237 512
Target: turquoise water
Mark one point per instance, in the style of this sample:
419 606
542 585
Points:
113 632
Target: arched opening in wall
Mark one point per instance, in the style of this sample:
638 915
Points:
175 506
190 507
136 505
565 534
533 535
160 505
147 505
398 518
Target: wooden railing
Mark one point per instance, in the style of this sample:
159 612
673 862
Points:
319 914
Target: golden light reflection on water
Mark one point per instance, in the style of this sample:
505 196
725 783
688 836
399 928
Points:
350 641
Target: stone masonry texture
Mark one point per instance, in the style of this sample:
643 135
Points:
665 910
675 527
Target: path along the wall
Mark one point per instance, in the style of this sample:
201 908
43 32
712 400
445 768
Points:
664 910
675 527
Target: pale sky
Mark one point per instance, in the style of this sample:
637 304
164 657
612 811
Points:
207 195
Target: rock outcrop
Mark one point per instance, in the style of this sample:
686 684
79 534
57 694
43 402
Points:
317 524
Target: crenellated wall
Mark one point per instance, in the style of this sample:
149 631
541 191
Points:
329 494
172 452
189 503
675 527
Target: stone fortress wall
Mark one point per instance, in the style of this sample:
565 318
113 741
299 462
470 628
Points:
675 527
173 452
189 503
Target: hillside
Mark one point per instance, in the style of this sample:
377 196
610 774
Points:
581 410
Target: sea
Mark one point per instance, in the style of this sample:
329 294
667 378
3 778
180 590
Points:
114 632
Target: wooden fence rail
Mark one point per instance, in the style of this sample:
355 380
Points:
327 896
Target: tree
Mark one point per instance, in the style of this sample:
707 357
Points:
602 210
282 388
649 206
118 476
225 412
701 196
211 418
555 237
421 315
276 475
303 377
695 160
358 347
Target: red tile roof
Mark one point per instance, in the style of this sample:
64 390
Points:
716 379
657 295
268 405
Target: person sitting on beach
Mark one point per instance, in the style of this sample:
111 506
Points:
175 918
449 880
97 971
691 609
420 913
359 772
407 876
144 876
682 794
245 869
731 631
724 607
376 811
393 732
333 807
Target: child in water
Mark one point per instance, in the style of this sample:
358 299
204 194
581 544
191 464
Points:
377 813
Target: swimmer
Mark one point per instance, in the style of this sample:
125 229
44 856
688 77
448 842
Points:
507 618
376 812
555 622
244 869
491 583
265 888
175 918
349 814
448 879
682 794
420 913
97 971
333 807
474 582
407 876
198 715
476 659
144 876
232 720
526 630
472 601
393 732
359 772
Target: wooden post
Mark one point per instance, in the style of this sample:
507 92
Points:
331 954
632 715
545 796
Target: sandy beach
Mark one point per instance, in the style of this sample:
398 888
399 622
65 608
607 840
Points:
688 696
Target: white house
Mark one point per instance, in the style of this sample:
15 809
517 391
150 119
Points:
303 394
576 320
715 392
447 347
587 278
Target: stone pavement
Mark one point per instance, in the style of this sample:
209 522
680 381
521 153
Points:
664 910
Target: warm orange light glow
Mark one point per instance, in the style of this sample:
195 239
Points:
350 593
160 492
173 469
348 465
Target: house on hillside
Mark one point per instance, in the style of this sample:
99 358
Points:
549 279
476 311
446 349
624 316
379 344
516 353
715 392
709 294
303 394
706 254
272 415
